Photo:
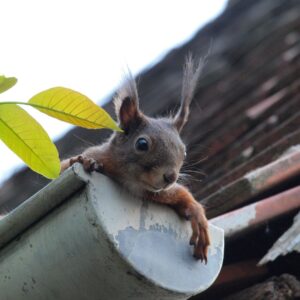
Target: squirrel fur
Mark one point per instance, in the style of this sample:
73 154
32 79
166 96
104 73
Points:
146 158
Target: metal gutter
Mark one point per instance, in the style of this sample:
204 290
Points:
83 237
39 205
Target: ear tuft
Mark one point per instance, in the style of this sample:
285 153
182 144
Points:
191 74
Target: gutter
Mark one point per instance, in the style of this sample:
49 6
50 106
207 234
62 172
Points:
83 237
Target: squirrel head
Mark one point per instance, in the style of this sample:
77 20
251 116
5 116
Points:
150 151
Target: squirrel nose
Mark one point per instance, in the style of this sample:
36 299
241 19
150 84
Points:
170 177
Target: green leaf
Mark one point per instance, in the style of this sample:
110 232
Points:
6 83
72 107
27 138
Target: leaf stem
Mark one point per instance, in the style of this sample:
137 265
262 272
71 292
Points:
30 104
37 106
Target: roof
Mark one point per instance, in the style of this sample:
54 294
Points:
245 112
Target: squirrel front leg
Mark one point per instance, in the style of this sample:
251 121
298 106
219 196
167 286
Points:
91 160
183 202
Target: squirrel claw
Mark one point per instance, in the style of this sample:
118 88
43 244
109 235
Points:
201 247
200 237
192 242
89 164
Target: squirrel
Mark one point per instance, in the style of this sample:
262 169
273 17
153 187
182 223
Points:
147 156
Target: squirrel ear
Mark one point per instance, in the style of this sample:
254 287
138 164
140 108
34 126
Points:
127 104
191 74
129 114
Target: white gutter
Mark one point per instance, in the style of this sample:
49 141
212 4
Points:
83 237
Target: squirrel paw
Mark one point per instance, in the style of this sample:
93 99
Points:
200 236
89 164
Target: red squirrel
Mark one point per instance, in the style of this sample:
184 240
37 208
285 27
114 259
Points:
147 156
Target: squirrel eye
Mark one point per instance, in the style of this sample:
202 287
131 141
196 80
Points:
142 144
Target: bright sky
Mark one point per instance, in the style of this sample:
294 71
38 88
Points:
84 45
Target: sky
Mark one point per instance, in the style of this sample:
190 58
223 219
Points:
85 45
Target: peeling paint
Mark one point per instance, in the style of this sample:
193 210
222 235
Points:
288 242
111 212
153 251
154 239
286 166
235 221
291 150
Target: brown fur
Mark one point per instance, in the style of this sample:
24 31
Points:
151 174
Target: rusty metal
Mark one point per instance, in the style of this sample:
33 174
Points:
234 276
249 217
240 272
